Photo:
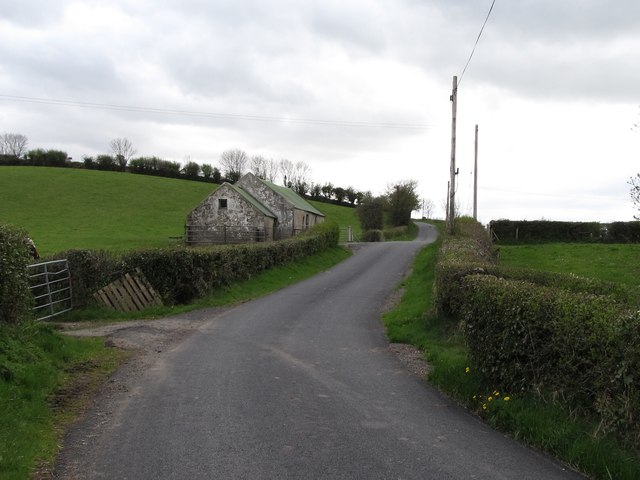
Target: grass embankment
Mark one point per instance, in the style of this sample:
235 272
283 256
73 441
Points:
609 262
547 426
45 381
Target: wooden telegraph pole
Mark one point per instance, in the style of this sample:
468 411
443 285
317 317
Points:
451 215
475 178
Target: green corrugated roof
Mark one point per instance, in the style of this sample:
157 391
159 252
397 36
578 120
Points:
253 201
298 202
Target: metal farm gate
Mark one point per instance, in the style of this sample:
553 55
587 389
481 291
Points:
51 288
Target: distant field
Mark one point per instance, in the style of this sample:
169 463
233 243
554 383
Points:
613 263
64 208
343 216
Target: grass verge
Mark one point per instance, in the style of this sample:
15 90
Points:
46 380
544 425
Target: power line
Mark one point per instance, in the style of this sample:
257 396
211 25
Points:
225 116
477 40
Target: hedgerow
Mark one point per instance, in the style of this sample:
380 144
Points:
557 335
181 274
578 347
543 231
16 301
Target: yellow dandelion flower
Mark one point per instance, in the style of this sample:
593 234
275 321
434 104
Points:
496 393
467 370
489 399
484 406
506 399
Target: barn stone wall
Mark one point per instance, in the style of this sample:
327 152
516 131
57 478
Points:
238 221
280 206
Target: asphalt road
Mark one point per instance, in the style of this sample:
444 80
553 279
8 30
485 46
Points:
299 384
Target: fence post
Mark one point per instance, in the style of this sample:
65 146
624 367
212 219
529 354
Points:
349 234
46 278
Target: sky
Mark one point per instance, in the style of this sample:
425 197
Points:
357 89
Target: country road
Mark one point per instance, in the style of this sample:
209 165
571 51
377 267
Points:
296 385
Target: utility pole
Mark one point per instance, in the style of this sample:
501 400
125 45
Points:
475 178
452 188
446 213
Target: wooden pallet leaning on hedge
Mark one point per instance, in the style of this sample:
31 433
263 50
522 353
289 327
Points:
131 293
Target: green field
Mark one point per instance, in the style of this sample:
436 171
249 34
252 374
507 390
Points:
64 208
609 262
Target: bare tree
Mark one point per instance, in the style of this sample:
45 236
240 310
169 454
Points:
301 177
258 165
123 149
427 208
287 169
13 144
234 164
635 193
272 169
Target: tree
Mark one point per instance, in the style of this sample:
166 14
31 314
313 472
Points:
327 190
352 195
191 170
272 169
427 208
340 194
207 171
14 144
635 193
234 164
287 169
258 165
402 200
370 211
122 150
316 190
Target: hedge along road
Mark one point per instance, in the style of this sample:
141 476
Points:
299 384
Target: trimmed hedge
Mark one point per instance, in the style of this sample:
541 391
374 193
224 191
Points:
181 274
558 335
581 348
623 232
372 236
16 301
508 232
540 231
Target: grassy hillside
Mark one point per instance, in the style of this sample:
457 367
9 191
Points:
612 263
65 208
343 216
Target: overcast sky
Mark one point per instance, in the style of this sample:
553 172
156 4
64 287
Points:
358 89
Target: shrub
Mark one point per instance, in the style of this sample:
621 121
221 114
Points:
468 252
575 346
371 213
16 301
46 158
373 236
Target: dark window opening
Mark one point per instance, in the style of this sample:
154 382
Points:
222 203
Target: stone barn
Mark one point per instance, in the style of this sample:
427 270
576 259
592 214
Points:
252 210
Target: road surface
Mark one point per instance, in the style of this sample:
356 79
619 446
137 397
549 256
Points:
296 385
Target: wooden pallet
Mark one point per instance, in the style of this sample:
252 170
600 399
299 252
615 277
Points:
130 293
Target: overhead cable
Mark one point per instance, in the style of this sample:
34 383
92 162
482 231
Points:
477 40
226 116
